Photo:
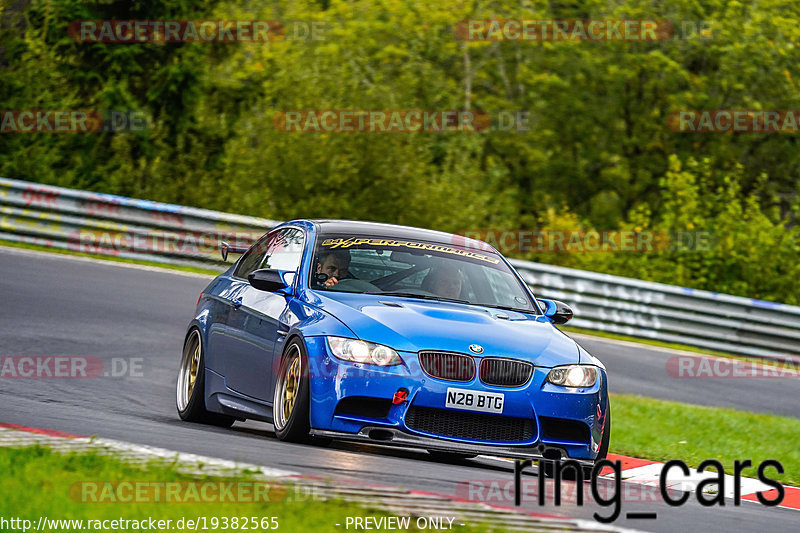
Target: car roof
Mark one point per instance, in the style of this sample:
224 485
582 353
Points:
393 231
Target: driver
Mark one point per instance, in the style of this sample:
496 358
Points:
444 281
334 264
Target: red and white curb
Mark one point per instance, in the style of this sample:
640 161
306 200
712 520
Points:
383 498
644 472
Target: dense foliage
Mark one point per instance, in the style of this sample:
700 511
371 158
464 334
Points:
598 153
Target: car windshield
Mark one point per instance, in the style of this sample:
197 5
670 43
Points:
416 269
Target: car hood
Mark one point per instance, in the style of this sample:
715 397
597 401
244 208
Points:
411 325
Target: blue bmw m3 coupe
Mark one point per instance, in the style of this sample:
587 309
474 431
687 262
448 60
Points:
392 335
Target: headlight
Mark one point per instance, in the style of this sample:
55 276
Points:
573 376
363 352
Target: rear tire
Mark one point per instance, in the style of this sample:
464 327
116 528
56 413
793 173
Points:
191 385
290 406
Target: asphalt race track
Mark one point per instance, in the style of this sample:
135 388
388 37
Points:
59 305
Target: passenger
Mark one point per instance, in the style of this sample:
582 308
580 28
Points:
444 281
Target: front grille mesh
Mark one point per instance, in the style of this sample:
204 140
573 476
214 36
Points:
474 426
505 372
449 366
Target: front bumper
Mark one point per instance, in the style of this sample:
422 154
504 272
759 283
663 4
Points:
544 404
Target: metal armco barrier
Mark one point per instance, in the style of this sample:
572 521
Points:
118 226
644 309
165 233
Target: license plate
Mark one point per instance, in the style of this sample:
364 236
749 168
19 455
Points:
470 400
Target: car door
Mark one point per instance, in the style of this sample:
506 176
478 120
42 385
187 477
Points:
258 317
227 299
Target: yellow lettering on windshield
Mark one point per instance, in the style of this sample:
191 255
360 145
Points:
353 241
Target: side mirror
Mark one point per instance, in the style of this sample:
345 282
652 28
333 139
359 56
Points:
225 249
558 312
268 279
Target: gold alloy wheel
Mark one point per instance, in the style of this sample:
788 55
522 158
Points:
286 393
190 367
193 370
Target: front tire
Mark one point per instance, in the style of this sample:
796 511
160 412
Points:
602 453
290 406
191 385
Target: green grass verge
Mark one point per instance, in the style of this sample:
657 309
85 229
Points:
39 248
660 430
36 481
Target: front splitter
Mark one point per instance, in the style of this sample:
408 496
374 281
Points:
394 437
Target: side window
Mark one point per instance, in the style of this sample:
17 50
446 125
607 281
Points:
253 257
285 251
